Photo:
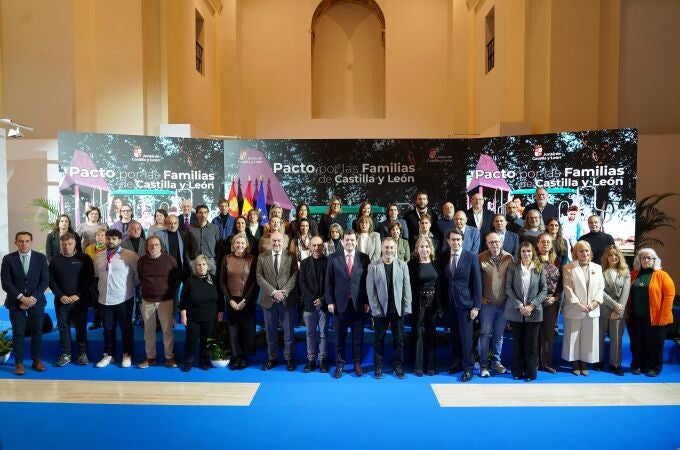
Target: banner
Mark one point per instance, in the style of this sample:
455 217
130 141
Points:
108 170
585 173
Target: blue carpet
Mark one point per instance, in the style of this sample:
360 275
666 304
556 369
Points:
313 411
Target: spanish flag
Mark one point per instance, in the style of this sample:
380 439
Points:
233 201
247 200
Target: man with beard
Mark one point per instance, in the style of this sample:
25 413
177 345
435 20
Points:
116 269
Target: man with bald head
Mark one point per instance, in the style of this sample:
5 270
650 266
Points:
187 218
547 210
478 216
276 275
515 221
471 236
311 283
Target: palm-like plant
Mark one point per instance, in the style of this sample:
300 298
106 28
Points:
650 218
47 213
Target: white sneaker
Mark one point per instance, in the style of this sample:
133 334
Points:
484 373
105 361
127 360
476 365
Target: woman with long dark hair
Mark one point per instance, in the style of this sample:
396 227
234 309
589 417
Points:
61 226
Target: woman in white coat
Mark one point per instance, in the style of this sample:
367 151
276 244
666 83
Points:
583 295
368 241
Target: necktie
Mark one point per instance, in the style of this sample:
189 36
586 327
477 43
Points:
24 263
349 264
186 222
454 263
276 264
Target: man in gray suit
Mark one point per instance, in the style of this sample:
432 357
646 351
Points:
389 295
276 275
471 236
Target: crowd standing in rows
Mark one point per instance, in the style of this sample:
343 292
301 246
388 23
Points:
466 268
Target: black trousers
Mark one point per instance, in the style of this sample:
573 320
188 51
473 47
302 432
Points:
461 338
546 335
381 324
424 342
525 349
350 318
646 344
120 314
32 316
241 331
197 331
78 312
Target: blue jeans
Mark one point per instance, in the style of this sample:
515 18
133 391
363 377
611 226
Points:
492 326
312 320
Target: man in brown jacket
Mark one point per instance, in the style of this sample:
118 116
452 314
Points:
494 264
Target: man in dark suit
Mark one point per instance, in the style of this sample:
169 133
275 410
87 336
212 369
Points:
412 218
509 240
135 242
276 275
547 210
187 218
462 287
346 297
389 295
25 277
478 216
515 222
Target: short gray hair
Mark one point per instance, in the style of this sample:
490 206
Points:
644 252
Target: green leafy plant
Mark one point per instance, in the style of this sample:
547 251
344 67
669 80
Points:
48 212
218 345
650 218
5 343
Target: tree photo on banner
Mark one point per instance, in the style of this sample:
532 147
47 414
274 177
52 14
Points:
585 173
108 170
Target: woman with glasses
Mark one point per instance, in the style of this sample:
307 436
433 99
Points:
124 221
650 312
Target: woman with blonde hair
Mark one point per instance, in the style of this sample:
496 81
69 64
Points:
616 290
333 215
583 294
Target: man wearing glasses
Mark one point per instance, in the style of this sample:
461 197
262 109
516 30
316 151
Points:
124 222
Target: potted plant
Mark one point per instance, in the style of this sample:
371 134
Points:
218 354
218 347
5 346
650 218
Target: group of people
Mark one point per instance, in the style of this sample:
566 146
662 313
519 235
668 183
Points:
468 268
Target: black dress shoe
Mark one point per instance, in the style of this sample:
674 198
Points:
323 366
418 373
377 373
455 369
290 365
636 371
358 370
597 367
310 366
529 378
269 364
337 373
467 376
549 369
431 372
242 364
399 372
233 364
652 373
618 371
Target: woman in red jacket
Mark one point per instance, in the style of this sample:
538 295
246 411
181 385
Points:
650 311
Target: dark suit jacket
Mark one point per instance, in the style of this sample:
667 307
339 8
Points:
269 281
462 289
32 284
513 289
309 285
412 220
487 220
548 212
193 220
340 287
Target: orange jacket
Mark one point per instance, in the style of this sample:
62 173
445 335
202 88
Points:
661 296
